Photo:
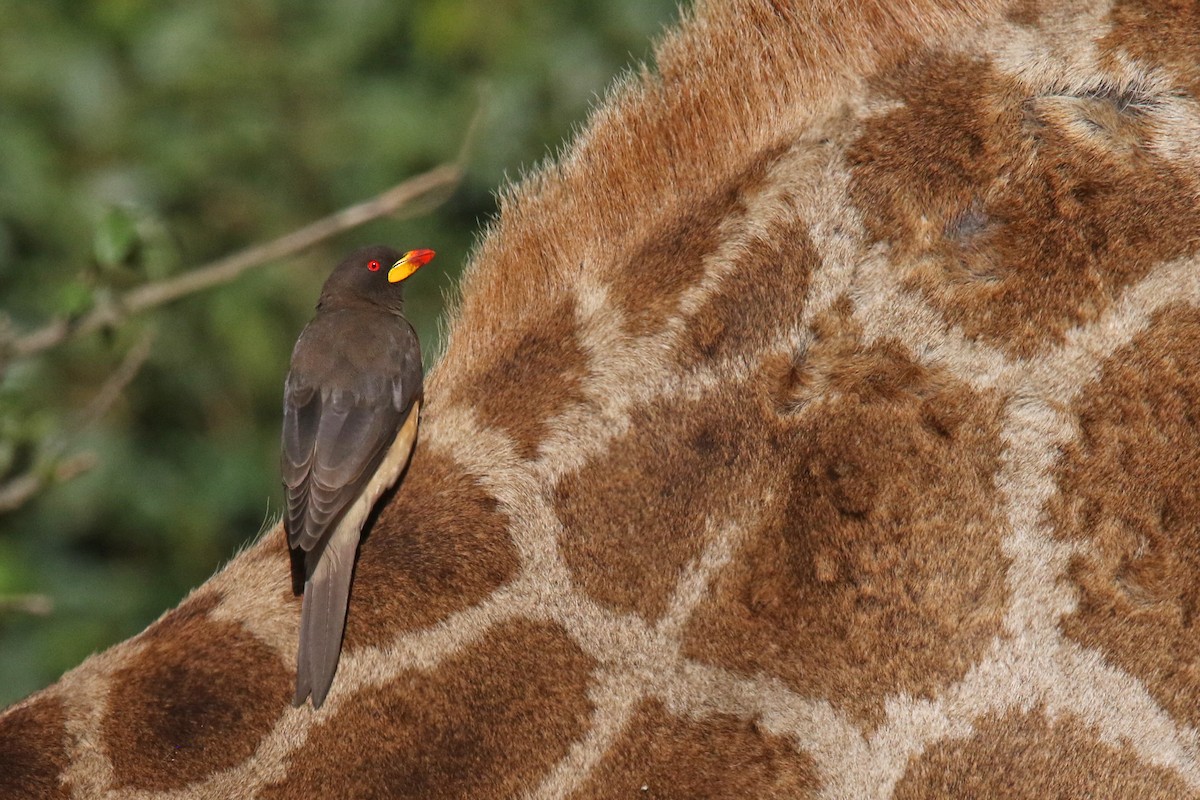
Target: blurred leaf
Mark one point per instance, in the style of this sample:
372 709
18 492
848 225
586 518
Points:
116 238
74 299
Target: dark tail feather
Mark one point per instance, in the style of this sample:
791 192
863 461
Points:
323 619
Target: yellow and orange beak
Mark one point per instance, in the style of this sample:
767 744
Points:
412 261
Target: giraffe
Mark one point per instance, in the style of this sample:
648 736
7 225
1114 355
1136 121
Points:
822 424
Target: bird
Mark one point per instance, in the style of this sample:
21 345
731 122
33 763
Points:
351 407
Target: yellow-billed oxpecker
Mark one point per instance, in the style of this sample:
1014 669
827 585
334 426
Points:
351 403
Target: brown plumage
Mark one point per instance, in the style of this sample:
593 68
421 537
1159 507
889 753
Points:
350 409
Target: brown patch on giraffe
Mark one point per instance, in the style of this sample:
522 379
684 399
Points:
670 261
1158 33
878 569
1128 490
532 378
440 545
1018 217
196 699
664 756
758 300
33 750
487 722
1027 13
1030 756
636 516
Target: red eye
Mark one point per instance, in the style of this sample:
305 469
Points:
373 266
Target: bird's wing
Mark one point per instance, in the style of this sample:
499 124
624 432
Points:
340 413
327 586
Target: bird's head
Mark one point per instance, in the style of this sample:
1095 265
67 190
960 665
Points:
372 275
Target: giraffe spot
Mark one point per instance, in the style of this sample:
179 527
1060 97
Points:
197 699
671 258
758 301
877 568
1158 33
33 750
1028 13
636 516
664 756
487 722
1063 201
1030 756
1127 489
533 378
439 545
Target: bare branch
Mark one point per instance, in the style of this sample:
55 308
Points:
124 374
20 490
37 604
468 142
226 269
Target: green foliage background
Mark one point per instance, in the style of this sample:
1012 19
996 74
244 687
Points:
142 138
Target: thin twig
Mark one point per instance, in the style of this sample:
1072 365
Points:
226 269
468 142
116 383
20 490
36 604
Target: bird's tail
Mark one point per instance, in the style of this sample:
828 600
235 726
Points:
323 616
327 584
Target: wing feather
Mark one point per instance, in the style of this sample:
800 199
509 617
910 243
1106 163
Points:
344 400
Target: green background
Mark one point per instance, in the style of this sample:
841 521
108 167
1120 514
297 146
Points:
140 139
